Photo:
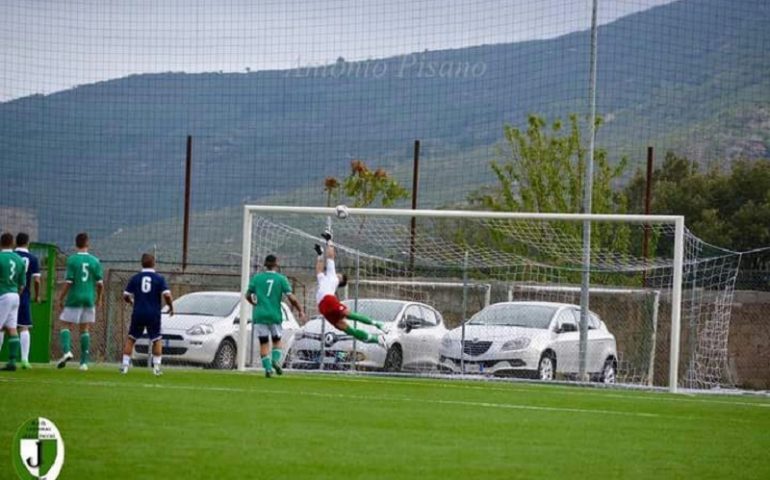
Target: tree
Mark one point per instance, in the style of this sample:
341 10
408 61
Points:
729 209
541 170
364 186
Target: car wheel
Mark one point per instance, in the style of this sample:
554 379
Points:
394 359
609 372
225 357
546 369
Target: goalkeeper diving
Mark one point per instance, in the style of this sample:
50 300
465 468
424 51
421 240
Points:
330 307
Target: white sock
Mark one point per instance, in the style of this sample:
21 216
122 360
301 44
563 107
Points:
126 360
2 336
24 339
156 361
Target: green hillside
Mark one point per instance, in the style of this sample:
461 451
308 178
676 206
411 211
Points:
691 75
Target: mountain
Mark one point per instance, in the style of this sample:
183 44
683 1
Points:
693 75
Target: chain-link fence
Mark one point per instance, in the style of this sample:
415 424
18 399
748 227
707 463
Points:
749 359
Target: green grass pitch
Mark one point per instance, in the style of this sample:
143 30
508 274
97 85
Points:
202 424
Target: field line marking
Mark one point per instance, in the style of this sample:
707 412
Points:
527 388
549 389
370 398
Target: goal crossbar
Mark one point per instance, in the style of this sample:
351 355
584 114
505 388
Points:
676 220
398 212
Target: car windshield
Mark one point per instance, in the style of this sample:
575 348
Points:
382 310
515 315
205 305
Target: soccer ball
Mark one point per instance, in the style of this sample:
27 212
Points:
342 211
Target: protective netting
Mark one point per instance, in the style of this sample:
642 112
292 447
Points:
97 99
468 289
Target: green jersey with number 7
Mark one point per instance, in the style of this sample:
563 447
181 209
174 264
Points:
83 273
269 288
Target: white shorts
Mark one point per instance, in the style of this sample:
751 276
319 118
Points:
78 315
264 330
9 310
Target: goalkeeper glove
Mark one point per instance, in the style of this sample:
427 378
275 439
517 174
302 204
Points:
318 250
327 235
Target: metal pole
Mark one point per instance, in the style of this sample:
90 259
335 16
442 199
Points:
245 273
355 304
692 332
647 209
465 313
109 314
415 187
588 184
187 178
653 338
251 348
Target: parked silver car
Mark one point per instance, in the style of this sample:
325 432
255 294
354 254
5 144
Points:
414 334
537 339
204 330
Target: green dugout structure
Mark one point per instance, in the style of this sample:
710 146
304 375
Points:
42 313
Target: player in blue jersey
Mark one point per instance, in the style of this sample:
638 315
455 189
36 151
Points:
145 291
24 321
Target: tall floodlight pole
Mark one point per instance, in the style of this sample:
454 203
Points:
588 183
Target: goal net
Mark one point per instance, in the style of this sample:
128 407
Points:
498 294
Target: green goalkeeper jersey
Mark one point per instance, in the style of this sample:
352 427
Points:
269 288
83 273
13 273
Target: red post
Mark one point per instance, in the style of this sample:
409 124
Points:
187 181
415 187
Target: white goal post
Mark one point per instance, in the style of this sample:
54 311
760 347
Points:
665 220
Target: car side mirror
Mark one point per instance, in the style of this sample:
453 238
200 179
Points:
237 321
567 327
411 323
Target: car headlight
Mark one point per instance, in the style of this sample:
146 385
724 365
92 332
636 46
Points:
201 329
518 343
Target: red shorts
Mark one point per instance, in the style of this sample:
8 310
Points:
332 309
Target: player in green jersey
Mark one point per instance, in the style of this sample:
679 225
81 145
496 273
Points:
13 277
81 293
265 292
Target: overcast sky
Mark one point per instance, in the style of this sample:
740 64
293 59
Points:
47 46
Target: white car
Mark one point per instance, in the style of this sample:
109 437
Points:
537 339
414 334
204 331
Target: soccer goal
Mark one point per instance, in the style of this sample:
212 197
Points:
498 294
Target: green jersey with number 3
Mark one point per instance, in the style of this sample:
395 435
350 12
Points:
269 288
83 273
13 273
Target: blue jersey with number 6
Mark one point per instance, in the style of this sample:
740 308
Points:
147 288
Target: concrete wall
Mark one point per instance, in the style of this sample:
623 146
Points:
749 340
17 220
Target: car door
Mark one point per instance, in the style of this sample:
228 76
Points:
289 325
427 339
594 344
408 337
597 344
567 341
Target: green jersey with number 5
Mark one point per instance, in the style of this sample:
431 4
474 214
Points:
12 272
269 288
83 273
